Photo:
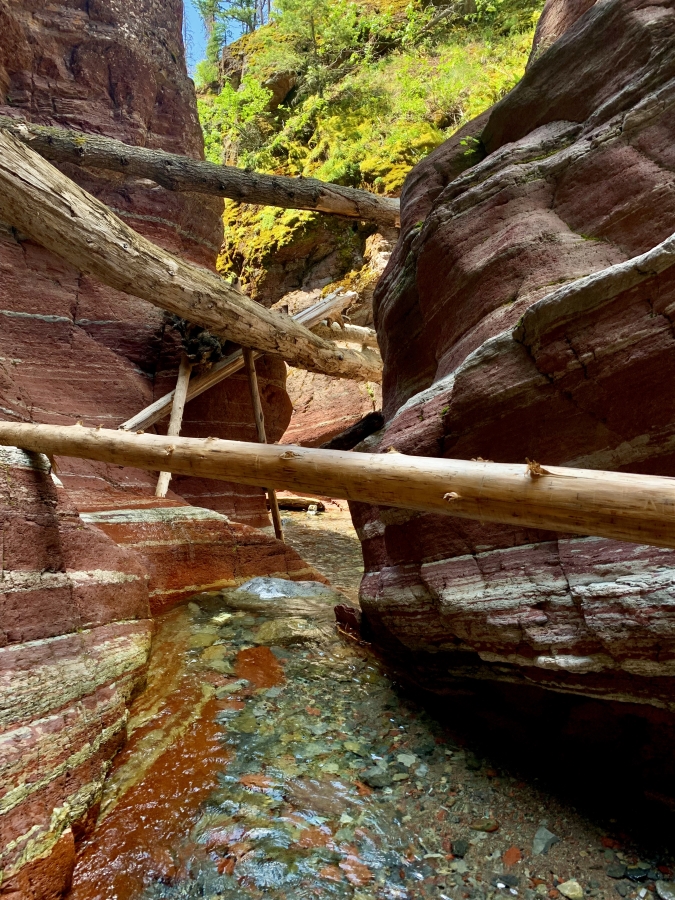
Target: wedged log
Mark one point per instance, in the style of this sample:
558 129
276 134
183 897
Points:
627 507
231 364
180 173
354 334
47 206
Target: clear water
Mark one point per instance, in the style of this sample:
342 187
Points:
263 791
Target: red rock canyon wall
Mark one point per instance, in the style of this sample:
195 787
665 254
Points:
572 172
77 591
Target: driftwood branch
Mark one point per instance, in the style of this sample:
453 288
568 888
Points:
231 364
51 209
627 507
180 173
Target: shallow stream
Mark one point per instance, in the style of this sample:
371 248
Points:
270 757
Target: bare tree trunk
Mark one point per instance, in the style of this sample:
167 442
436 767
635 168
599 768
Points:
626 507
50 208
180 173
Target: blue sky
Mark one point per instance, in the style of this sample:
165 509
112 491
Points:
196 37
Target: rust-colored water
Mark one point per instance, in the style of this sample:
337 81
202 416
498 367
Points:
132 843
160 779
259 666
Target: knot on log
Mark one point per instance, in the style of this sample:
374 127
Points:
534 469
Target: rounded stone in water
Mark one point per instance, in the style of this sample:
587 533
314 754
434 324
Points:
278 597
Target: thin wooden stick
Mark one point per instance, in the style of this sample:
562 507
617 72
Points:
259 416
176 420
619 505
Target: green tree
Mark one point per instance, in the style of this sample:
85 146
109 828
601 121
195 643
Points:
226 19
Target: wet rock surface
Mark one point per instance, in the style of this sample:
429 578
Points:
329 540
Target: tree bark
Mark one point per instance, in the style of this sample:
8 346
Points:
259 416
180 173
176 421
354 334
626 507
51 209
231 364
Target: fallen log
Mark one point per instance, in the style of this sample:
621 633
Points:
47 206
231 364
627 507
181 173
354 334
300 504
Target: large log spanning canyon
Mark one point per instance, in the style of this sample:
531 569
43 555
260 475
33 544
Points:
180 173
37 199
627 507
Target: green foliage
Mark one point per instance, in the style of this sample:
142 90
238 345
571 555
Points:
378 85
223 18
258 238
206 75
235 118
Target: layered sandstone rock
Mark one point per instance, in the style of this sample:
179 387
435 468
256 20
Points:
74 641
75 603
572 172
189 549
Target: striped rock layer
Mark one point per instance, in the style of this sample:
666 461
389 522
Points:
77 597
77 592
572 172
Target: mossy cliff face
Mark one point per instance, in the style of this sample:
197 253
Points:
369 93
276 251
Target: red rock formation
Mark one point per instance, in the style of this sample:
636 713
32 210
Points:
74 640
188 549
572 172
115 69
74 607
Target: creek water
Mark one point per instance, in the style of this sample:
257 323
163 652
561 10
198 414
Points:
300 769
